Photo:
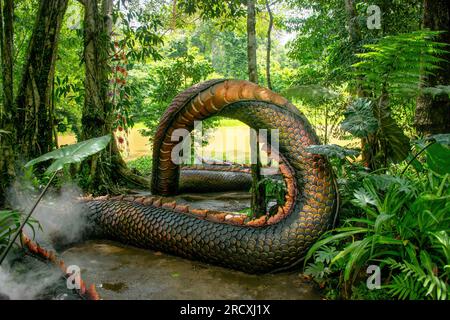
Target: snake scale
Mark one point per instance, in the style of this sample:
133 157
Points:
268 244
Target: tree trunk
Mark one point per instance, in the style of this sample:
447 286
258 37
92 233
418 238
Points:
355 38
433 113
258 203
258 196
174 15
367 144
269 44
251 41
107 169
33 101
7 110
352 22
97 110
7 36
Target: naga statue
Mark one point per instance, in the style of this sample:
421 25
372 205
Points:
266 244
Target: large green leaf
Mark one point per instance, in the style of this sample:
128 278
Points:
438 90
359 119
438 158
397 143
442 138
72 153
363 199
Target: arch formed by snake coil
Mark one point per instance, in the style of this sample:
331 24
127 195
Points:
266 244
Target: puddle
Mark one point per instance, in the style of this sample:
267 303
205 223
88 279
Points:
116 287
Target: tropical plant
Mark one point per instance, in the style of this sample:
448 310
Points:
67 155
390 69
143 165
10 221
402 220
394 65
275 190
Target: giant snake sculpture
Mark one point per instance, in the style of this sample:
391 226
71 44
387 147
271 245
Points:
266 244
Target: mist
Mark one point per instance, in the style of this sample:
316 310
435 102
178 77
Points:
61 221
62 218
27 285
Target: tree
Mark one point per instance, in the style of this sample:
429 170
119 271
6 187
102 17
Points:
269 43
32 109
258 199
433 111
33 101
7 110
352 21
107 169
251 41
97 109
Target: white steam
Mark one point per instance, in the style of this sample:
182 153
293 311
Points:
62 220
60 215
25 286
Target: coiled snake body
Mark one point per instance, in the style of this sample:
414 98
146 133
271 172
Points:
262 245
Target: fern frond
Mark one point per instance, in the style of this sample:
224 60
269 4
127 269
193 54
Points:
396 63
405 287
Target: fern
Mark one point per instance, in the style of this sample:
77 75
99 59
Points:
394 67
405 287
317 270
425 282
396 63
326 254
403 229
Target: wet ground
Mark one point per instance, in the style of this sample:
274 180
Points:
122 272
216 201
127 273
